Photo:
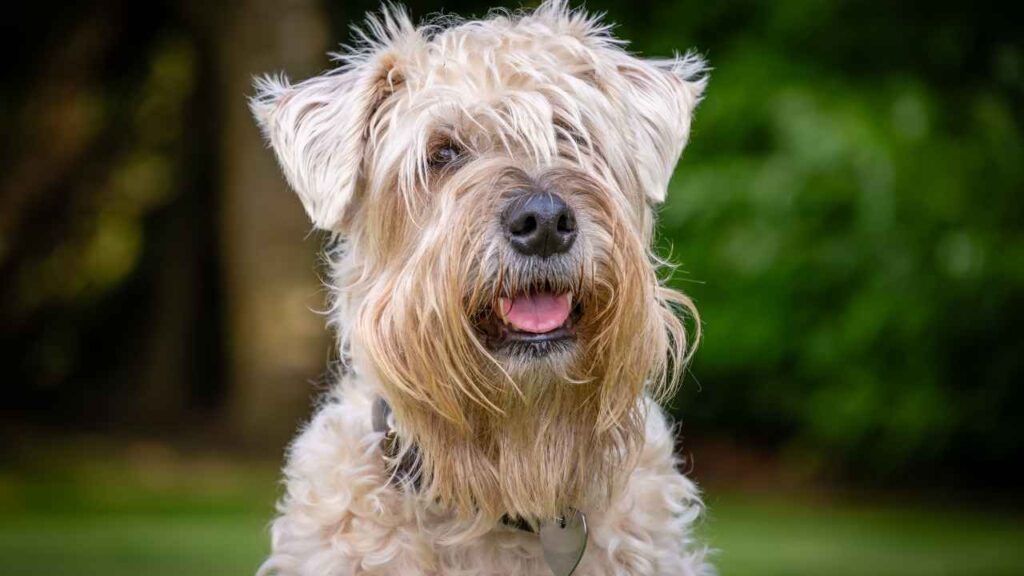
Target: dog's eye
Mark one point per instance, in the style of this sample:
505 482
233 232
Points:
444 155
567 132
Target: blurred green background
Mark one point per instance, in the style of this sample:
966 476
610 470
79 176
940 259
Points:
848 217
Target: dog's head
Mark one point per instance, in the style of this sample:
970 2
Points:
495 184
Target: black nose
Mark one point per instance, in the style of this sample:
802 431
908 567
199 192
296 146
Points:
540 224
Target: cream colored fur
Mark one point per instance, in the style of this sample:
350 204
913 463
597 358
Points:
547 100
340 515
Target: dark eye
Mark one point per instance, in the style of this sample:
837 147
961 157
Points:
445 155
566 132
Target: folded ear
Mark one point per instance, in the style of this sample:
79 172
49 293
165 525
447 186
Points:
318 131
662 95
319 128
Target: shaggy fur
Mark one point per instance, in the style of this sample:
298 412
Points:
543 100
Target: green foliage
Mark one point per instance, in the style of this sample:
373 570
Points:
852 237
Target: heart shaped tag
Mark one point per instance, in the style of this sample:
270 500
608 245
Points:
564 540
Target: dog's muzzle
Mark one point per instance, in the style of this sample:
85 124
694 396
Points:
536 313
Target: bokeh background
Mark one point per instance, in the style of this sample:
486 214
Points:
848 217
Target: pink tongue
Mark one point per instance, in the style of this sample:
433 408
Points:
536 313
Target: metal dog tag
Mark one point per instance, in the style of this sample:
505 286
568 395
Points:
564 540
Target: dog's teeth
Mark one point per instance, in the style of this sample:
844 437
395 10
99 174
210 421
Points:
503 305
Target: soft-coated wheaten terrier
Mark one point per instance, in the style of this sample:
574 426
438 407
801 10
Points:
491 186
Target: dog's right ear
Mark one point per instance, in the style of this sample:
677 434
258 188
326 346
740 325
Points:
318 130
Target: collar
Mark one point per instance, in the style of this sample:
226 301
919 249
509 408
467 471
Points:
404 468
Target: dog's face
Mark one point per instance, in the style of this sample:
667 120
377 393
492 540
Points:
495 182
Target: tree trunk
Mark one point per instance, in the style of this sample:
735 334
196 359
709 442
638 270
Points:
277 344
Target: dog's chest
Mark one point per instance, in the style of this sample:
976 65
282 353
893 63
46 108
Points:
341 516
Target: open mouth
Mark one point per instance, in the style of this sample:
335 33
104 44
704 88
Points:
536 321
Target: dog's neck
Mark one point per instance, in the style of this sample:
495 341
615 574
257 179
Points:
559 465
404 466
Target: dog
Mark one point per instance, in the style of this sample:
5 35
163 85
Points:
490 189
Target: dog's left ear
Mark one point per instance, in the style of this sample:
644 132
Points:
661 96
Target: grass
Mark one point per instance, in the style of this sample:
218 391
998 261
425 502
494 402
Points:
211 519
156 518
132 544
767 538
